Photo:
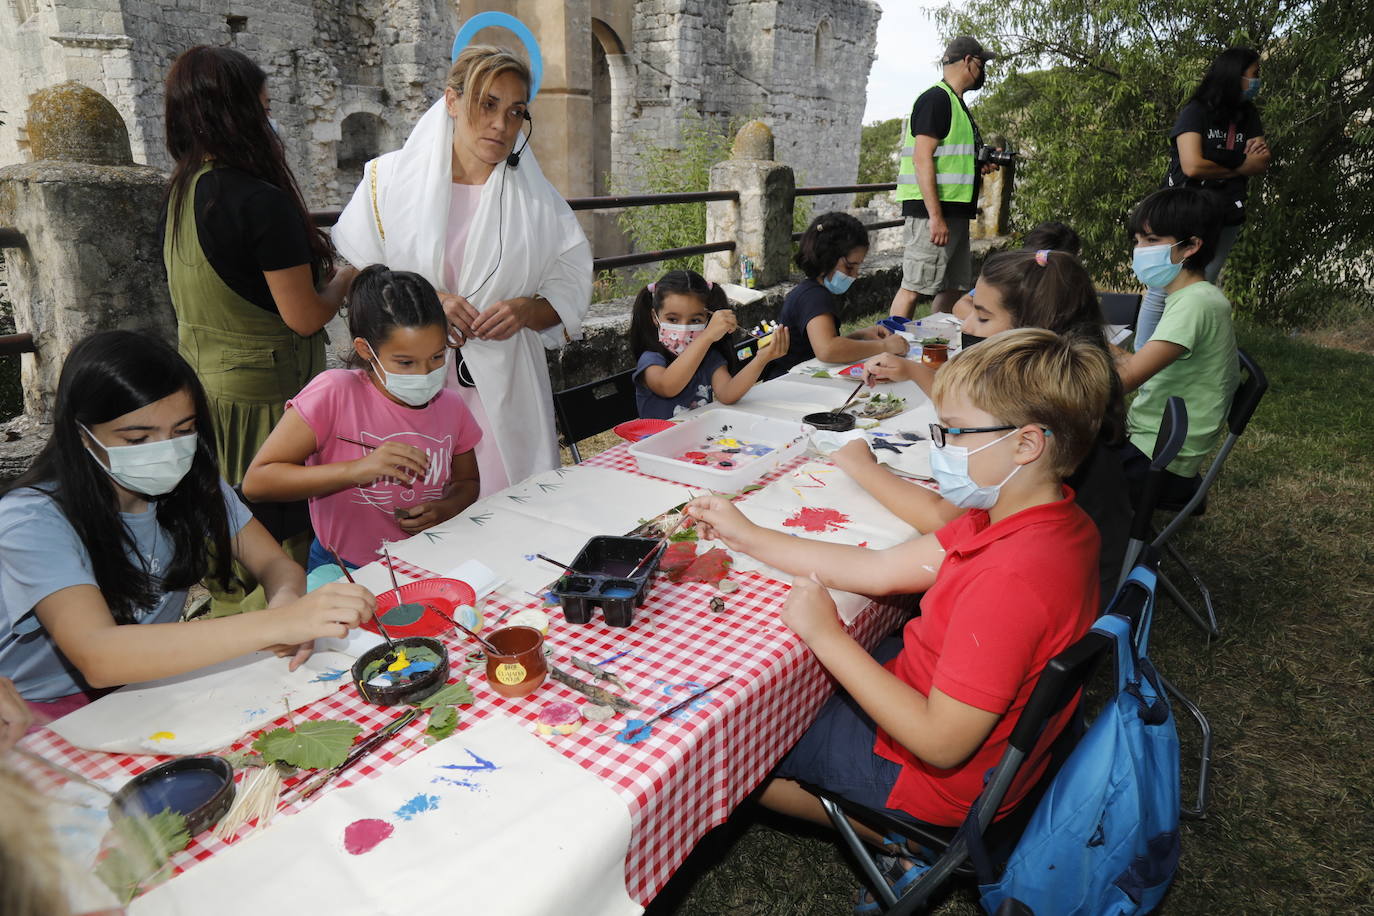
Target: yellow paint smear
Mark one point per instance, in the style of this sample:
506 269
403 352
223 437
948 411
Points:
162 736
400 664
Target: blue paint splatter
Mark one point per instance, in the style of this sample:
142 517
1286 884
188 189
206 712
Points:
250 714
417 805
461 783
482 765
324 677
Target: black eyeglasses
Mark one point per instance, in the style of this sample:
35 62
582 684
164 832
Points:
939 433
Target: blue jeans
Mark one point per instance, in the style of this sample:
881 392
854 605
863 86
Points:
319 556
1152 306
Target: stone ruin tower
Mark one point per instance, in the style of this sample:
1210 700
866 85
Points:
348 78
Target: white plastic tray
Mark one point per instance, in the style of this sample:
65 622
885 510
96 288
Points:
658 454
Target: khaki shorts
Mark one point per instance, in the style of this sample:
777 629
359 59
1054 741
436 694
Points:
927 268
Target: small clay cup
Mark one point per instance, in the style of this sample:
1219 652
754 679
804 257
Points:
934 354
520 667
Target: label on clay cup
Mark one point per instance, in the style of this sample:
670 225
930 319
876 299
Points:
511 673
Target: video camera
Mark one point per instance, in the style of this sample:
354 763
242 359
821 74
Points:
988 154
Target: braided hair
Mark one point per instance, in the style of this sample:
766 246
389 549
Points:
380 300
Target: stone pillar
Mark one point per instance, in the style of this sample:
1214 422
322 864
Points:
994 200
760 224
90 218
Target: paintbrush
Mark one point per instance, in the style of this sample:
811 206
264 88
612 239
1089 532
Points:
654 549
355 442
481 640
854 394
377 619
563 566
361 750
634 730
60 770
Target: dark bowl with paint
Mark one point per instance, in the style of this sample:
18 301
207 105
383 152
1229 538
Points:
413 690
200 789
832 421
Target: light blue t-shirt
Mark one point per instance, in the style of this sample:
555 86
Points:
41 553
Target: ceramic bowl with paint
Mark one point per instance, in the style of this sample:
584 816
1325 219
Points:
520 667
414 669
606 564
832 421
200 789
423 608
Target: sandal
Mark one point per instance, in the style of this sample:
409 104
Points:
899 873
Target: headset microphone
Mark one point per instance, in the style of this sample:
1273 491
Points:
513 160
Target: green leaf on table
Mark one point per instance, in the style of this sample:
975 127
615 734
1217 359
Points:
459 694
136 850
243 759
442 721
318 745
821 373
686 534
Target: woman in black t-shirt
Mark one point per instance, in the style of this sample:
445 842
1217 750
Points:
1218 143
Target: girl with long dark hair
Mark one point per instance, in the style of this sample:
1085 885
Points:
1218 145
121 512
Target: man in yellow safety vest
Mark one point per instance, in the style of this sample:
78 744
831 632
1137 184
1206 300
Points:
938 181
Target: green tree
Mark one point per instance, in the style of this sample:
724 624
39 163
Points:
1088 90
878 144
669 171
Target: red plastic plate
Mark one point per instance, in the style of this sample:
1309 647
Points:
634 430
441 595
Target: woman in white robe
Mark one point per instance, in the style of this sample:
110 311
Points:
512 265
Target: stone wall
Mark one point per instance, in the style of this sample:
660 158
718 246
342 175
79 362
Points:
325 60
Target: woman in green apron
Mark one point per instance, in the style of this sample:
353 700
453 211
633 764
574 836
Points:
243 258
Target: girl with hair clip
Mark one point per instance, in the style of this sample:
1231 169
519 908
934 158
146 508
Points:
121 512
1019 289
382 450
831 251
674 328
464 204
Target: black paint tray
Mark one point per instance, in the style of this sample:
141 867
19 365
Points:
603 578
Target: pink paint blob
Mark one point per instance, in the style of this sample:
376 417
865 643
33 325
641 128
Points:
363 835
814 519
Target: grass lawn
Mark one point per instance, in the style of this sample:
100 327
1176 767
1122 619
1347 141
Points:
1286 547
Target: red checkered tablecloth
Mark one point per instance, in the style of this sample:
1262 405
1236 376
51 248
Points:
683 780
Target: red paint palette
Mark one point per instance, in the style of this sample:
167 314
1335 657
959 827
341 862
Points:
634 430
442 595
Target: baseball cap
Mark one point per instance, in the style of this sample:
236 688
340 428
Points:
966 46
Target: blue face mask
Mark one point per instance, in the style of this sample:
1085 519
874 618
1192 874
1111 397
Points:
1252 87
1152 265
949 466
838 282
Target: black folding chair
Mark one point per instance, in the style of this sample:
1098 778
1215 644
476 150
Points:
1141 549
595 407
1060 684
1120 308
1246 400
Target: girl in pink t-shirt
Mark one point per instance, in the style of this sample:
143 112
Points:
383 450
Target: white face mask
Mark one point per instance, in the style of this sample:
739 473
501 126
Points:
148 468
415 390
949 465
677 337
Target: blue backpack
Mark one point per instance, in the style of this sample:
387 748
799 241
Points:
1104 838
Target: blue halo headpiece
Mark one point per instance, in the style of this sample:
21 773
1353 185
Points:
505 21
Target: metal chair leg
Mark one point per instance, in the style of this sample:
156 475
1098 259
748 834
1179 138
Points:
576 455
1204 772
886 898
1209 625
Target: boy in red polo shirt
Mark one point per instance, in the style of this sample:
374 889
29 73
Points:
1008 585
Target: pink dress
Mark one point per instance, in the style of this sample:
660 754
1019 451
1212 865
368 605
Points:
344 402
462 207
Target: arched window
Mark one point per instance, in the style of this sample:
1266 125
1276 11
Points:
360 139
